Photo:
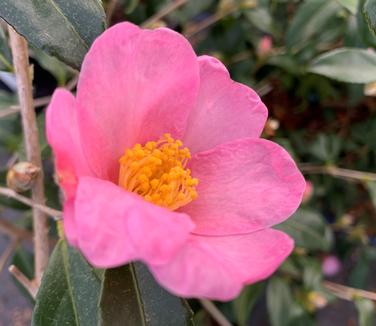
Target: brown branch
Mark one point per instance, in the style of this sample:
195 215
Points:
21 65
173 5
214 312
348 293
30 286
56 214
7 252
112 4
338 172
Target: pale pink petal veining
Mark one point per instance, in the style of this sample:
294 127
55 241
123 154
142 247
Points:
134 86
245 185
218 267
225 110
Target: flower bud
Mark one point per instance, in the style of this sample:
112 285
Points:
308 192
316 300
21 176
265 46
331 265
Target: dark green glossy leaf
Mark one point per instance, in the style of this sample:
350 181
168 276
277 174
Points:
310 20
369 11
309 230
63 28
131 294
70 290
347 65
366 312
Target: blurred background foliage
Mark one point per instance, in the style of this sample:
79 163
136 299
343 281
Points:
313 62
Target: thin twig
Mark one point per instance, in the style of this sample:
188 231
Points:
40 224
13 231
338 172
7 252
56 214
348 293
29 285
112 4
215 313
38 102
173 5
209 21
42 101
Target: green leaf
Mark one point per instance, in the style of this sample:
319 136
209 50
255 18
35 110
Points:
261 19
350 5
310 20
69 292
62 28
346 64
371 186
312 274
282 310
309 230
245 302
130 294
5 54
369 11
366 311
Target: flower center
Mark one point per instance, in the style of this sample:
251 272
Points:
157 171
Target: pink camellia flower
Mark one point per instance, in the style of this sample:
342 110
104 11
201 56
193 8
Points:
160 161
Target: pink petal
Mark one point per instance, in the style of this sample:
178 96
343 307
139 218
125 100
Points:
115 226
244 186
225 111
63 136
218 267
70 228
134 86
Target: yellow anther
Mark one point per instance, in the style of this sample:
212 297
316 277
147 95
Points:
157 172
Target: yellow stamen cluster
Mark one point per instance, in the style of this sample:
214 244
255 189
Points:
157 171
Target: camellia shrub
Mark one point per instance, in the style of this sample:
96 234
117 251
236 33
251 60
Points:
154 154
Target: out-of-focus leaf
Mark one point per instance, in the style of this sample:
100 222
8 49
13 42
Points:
310 20
130 294
245 302
312 274
346 64
278 302
130 6
309 230
371 185
24 261
69 292
282 310
351 5
63 28
369 11
366 312
326 148
286 62
5 55
261 19
57 68
359 274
